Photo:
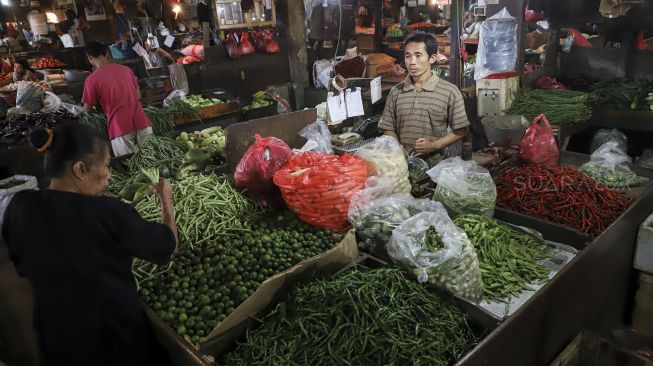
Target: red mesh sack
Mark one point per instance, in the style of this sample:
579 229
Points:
538 146
257 167
246 47
319 187
232 47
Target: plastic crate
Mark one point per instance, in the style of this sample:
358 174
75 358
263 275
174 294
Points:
256 113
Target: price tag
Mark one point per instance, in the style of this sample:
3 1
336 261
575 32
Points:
354 103
169 41
375 89
337 107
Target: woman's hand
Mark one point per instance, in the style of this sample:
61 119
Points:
163 189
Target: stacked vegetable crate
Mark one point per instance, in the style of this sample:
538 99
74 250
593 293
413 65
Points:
203 113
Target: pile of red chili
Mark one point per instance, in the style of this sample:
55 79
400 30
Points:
562 195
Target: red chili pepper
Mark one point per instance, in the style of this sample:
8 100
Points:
562 195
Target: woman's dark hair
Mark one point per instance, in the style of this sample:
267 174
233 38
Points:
24 65
95 49
71 142
429 41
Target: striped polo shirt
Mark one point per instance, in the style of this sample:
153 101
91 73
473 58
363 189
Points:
426 113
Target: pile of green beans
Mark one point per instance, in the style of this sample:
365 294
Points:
155 152
559 106
206 207
361 317
97 121
508 258
611 177
480 196
162 121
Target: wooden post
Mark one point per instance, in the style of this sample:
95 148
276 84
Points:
455 71
378 25
297 55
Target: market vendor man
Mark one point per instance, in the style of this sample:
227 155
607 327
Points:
425 113
116 88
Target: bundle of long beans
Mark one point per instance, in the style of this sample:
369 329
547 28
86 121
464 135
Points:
362 317
97 121
162 121
155 152
559 106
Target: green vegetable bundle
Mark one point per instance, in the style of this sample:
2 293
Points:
197 101
206 283
162 121
362 317
509 259
260 100
624 94
608 166
559 106
212 138
97 121
206 208
156 152
450 264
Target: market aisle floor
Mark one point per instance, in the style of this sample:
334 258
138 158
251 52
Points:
17 340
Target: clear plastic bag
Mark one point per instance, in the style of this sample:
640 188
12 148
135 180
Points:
538 146
602 136
257 167
318 131
463 187
375 212
23 182
646 159
609 165
451 263
175 94
52 102
497 46
30 96
387 158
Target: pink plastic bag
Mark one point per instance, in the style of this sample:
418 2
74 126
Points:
257 167
538 146
530 16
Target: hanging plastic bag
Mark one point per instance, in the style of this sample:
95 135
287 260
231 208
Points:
603 135
464 187
256 169
271 46
609 165
375 212
246 47
386 156
318 131
531 16
259 41
175 94
319 187
14 185
497 46
233 51
437 251
538 146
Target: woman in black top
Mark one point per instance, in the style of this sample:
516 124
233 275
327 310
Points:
76 248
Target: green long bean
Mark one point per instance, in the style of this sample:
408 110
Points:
559 106
157 151
362 317
509 259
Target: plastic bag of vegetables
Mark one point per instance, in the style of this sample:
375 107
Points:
646 159
602 136
319 187
257 167
463 187
437 251
318 131
375 213
608 165
30 96
387 157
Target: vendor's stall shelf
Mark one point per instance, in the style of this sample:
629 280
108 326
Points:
212 111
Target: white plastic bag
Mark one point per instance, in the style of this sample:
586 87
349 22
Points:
72 108
603 135
318 131
452 264
386 155
497 46
52 102
6 194
609 166
29 96
175 94
463 187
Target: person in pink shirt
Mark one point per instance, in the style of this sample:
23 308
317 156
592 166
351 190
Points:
116 88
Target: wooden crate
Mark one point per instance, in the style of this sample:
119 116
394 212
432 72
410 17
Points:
216 110
588 349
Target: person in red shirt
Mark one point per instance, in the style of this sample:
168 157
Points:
116 88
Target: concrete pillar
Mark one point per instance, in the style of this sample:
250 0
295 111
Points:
297 55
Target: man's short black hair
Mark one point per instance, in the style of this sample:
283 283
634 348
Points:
421 37
96 49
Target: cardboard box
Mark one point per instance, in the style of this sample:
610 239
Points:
185 353
373 71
